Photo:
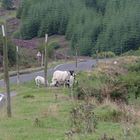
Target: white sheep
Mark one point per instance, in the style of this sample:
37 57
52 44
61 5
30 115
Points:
39 80
61 77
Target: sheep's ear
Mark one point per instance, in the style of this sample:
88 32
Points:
71 72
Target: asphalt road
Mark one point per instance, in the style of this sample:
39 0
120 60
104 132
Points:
82 66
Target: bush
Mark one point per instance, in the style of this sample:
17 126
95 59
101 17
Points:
11 51
7 4
101 55
26 58
88 85
100 86
16 35
83 118
51 48
132 83
135 67
133 52
108 112
116 82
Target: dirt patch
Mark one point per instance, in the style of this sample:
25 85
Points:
2 12
30 44
13 25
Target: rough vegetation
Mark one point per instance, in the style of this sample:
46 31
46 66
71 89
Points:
11 52
93 113
115 81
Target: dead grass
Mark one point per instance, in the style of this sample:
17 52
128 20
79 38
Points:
128 114
51 111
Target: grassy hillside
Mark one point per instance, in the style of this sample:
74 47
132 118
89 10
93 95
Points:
52 114
38 116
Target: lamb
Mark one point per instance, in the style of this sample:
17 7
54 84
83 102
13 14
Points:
39 80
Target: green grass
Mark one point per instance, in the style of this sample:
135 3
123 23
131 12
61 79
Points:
36 115
51 115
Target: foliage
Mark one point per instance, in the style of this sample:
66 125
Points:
132 52
88 85
117 82
11 51
108 54
7 4
43 117
83 118
104 25
100 86
132 82
106 137
51 47
134 67
26 59
108 112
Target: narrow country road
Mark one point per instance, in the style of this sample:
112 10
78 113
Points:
82 66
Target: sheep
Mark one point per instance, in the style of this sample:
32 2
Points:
39 80
61 77
70 82
115 62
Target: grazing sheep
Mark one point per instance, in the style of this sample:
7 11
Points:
115 62
61 77
39 80
70 82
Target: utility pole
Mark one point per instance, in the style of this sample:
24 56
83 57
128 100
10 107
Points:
97 59
121 50
46 60
6 73
17 65
39 58
105 58
76 57
42 59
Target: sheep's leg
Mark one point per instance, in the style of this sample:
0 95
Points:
37 85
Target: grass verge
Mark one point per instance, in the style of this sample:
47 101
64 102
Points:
37 115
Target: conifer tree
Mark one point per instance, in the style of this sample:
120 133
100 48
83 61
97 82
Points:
7 4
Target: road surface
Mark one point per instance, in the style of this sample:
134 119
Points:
82 66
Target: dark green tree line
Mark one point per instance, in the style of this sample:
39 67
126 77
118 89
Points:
105 25
7 4
11 51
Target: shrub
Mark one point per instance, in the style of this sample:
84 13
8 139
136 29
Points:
116 91
133 52
11 51
83 118
135 67
108 54
16 34
26 58
51 47
106 137
88 85
132 83
108 111
7 4
28 96
99 86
